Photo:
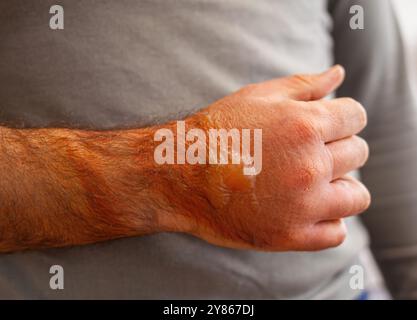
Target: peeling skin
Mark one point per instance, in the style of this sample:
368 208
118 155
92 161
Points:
226 183
226 180
236 181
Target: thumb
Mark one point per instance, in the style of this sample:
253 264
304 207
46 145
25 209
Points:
304 87
316 86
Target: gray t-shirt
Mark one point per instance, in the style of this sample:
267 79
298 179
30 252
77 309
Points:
124 63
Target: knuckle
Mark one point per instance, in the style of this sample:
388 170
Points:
304 129
318 110
304 178
303 79
305 82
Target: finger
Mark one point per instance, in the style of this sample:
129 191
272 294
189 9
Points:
305 87
338 118
347 154
346 197
326 234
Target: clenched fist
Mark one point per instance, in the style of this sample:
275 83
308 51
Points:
298 200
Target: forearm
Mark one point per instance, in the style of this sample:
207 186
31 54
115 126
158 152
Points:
64 187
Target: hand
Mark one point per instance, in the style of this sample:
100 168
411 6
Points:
300 197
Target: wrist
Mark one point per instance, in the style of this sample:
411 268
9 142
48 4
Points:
182 186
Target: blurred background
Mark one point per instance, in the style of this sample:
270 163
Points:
407 12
